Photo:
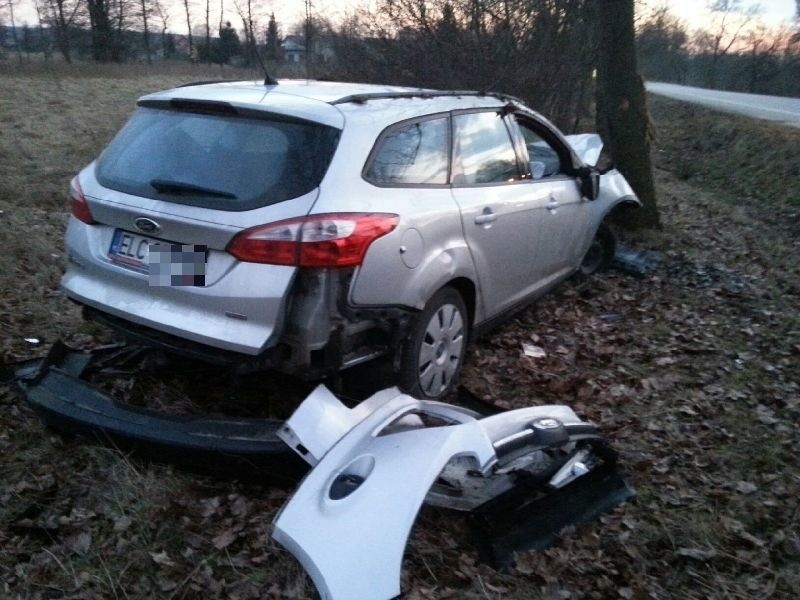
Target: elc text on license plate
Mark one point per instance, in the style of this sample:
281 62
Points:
166 263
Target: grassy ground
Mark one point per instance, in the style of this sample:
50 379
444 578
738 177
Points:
692 373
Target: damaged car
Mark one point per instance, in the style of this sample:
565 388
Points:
308 227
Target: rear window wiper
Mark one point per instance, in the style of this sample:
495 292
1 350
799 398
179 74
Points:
167 186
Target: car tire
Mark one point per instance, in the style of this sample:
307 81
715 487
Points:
601 251
434 351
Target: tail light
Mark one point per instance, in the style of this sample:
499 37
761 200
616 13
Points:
78 204
326 240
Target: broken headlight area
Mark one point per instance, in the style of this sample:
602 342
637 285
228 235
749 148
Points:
519 476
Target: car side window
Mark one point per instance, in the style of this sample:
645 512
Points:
544 160
411 153
483 151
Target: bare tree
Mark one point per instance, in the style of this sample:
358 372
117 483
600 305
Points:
763 57
10 5
189 27
122 11
661 44
62 16
207 49
101 27
307 33
163 16
622 116
729 20
540 50
245 11
146 31
41 18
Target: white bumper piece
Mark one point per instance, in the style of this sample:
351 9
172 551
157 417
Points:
349 520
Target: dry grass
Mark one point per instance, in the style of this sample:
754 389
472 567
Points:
747 162
692 373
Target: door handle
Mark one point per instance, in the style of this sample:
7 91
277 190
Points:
553 204
486 217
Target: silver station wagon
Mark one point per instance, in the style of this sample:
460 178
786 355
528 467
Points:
311 226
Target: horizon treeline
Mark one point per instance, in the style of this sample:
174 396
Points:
541 50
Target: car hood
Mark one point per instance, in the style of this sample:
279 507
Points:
587 146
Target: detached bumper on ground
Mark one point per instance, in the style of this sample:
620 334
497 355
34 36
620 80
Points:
56 389
521 475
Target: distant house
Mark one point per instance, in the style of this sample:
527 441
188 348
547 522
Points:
294 49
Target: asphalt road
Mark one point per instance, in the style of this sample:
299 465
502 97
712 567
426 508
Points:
771 108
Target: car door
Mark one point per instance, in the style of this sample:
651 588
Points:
560 212
496 217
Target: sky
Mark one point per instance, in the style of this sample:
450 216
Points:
289 12
695 14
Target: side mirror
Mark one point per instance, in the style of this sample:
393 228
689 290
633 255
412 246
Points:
589 182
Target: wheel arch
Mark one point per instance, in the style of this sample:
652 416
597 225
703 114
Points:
618 208
466 288
606 212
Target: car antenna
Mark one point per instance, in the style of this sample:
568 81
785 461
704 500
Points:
268 79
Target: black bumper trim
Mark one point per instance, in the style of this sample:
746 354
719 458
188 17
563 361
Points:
522 520
223 446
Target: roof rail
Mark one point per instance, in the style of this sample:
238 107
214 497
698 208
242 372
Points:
211 81
362 98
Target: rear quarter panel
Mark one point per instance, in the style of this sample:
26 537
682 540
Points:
426 249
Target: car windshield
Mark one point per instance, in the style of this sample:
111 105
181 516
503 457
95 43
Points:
218 161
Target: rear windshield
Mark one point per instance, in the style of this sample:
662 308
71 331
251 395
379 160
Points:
218 161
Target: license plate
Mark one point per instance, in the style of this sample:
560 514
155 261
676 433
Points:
130 249
166 263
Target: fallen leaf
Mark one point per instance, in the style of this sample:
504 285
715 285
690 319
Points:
696 553
122 523
224 539
162 558
746 487
532 351
80 543
239 507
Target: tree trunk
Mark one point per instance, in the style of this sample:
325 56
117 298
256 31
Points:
117 49
622 116
60 24
146 33
252 35
189 27
101 29
14 30
207 51
45 40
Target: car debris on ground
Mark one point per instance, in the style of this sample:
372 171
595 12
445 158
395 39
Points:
520 476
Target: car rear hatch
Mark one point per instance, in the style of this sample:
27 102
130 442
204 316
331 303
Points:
193 174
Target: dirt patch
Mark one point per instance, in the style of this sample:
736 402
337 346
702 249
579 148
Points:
692 373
